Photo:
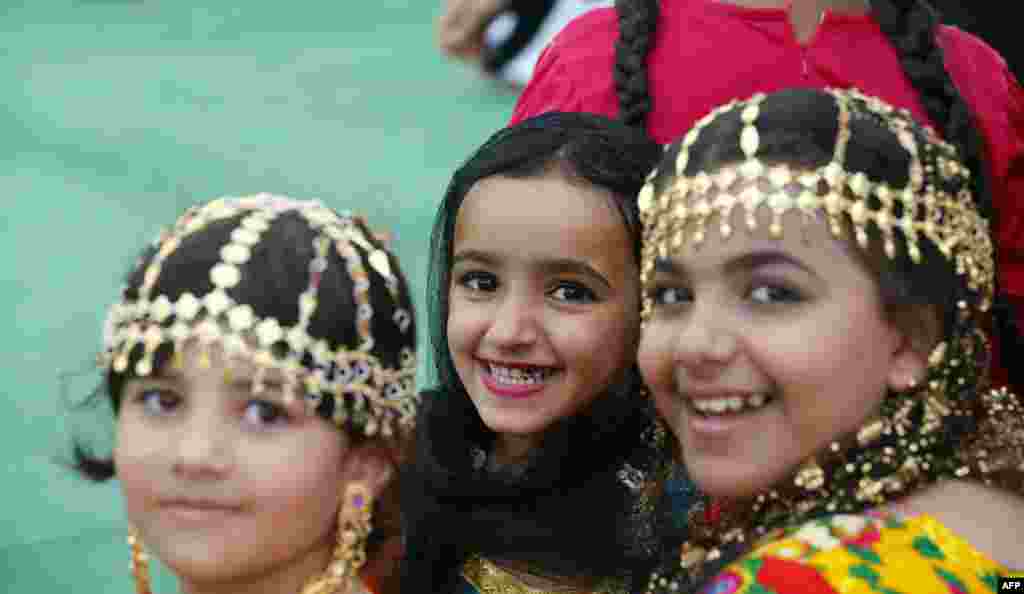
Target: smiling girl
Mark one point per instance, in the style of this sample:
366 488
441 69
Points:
260 365
818 281
532 450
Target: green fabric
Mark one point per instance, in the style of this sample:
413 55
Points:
118 114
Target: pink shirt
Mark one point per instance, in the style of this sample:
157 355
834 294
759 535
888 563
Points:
707 53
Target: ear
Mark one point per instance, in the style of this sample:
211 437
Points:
369 465
915 339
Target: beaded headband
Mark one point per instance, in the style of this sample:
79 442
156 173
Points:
922 210
368 395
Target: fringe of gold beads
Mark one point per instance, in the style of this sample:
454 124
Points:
381 400
679 215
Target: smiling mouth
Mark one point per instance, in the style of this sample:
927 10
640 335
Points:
730 404
199 505
519 375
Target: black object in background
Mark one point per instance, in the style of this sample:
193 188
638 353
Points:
529 15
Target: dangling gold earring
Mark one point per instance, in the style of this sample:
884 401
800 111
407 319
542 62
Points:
140 562
350 552
354 528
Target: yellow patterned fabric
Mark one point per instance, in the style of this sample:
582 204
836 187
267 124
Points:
862 554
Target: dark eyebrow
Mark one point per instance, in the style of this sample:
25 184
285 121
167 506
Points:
167 372
549 266
244 383
754 260
570 266
745 262
241 383
475 255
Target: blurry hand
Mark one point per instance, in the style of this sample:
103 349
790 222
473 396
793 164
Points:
461 28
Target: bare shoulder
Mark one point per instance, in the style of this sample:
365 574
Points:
991 519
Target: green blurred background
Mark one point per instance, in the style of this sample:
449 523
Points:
118 114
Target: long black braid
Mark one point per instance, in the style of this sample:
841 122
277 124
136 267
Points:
638 20
911 26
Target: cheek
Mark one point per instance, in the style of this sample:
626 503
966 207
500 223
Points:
655 361
654 356
139 463
835 378
309 493
602 347
466 324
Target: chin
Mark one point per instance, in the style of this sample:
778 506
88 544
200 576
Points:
201 562
519 425
729 481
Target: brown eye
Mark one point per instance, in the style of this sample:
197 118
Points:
478 281
670 295
264 413
573 292
774 294
157 402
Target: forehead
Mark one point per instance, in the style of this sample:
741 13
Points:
212 367
806 239
540 215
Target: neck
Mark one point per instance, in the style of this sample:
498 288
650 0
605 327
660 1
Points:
806 15
288 578
513 449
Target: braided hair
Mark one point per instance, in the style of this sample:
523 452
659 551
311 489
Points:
911 27
638 20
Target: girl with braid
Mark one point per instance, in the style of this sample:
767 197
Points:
297 314
818 284
662 65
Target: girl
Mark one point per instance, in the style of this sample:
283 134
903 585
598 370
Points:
296 314
817 286
661 66
534 430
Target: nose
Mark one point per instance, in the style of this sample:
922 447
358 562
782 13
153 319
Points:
515 323
704 345
204 448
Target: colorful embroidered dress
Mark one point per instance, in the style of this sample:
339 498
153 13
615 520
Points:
846 554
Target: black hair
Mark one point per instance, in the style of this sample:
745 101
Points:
911 27
798 128
545 516
276 273
638 21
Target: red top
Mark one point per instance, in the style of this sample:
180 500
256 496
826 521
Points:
707 53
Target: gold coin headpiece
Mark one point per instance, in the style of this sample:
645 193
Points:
368 394
935 205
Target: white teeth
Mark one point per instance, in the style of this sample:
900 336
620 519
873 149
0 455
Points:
730 404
